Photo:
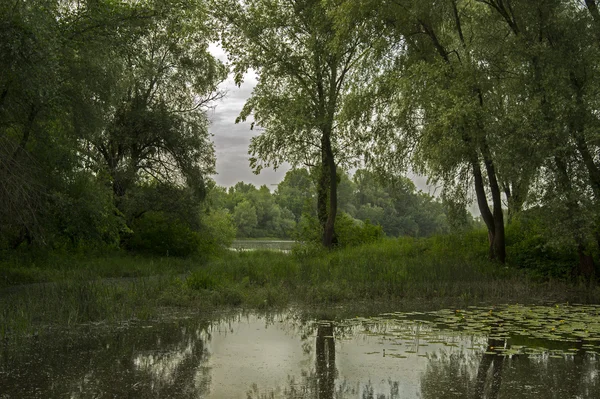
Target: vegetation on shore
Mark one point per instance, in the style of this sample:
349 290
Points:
440 271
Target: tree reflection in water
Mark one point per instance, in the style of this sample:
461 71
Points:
317 383
172 360
325 364
489 360
492 376
166 360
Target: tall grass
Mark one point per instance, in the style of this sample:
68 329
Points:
52 267
445 270
447 267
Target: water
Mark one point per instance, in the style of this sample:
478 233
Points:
252 245
444 354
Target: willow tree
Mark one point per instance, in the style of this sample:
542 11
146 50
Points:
305 59
553 45
93 92
499 97
435 103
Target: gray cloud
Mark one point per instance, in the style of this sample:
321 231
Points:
232 140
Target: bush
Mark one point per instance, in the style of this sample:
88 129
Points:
218 231
529 247
349 231
156 233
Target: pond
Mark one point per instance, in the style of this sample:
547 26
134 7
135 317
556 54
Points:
252 245
501 352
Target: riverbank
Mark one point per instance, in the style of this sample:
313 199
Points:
401 273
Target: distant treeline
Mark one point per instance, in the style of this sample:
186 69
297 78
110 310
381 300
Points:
290 211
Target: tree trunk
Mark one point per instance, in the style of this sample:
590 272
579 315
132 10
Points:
3 96
322 187
33 111
577 127
493 221
586 264
329 170
484 209
497 363
516 192
586 267
593 9
499 243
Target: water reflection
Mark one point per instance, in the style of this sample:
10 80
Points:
490 368
325 364
136 361
290 356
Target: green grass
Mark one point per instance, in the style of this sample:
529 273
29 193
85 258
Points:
68 267
440 271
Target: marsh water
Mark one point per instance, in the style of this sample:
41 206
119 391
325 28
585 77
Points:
252 245
505 352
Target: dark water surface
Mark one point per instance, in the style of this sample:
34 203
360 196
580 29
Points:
510 352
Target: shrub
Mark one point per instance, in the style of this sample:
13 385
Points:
349 231
158 234
529 247
218 231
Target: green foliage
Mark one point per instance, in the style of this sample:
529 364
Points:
532 248
157 233
392 203
351 232
308 229
296 192
84 215
219 231
255 212
98 102
244 215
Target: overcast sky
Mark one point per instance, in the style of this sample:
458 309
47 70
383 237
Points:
232 140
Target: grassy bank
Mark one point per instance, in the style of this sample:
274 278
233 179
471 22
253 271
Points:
440 271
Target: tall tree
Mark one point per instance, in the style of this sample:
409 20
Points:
554 48
305 60
95 92
435 101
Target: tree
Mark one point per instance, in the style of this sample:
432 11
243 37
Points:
30 61
456 111
555 47
305 61
157 126
394 203
245 218
295 192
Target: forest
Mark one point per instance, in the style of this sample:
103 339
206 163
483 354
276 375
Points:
105 143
